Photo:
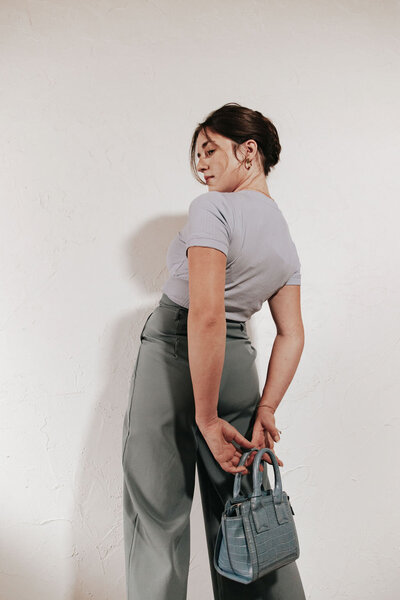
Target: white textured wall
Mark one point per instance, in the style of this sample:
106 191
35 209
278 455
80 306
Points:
98 103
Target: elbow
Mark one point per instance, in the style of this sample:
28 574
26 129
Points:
296 334
294 341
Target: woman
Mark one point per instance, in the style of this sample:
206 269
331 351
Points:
195 395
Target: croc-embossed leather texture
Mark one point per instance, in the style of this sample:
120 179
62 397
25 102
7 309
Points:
257 533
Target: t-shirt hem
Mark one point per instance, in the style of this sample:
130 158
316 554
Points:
181 287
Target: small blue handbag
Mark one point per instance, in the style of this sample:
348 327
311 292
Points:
257 533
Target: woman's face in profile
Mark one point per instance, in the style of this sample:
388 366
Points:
217 161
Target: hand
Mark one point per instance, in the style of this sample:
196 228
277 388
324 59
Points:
264 432
219 434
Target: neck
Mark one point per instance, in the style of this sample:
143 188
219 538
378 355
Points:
262 189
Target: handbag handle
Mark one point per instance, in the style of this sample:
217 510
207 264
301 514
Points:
257 475
238 476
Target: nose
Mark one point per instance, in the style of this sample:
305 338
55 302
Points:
200 167
202 162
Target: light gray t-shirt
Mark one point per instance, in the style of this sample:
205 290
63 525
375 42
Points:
250 229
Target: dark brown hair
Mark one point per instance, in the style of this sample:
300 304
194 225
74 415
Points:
240 124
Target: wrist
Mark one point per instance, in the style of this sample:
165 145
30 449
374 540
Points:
266 406
206 420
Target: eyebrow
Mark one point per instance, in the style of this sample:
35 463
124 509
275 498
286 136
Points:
204 144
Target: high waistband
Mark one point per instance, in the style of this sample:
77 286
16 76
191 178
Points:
166 301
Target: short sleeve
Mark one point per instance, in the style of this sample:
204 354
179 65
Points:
208 224
295 279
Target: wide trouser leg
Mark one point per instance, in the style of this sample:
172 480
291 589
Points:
159 456
239 395
161 445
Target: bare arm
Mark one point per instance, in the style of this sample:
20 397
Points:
206 328
288 345
285 356
206 347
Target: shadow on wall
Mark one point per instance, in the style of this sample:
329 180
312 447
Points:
96 527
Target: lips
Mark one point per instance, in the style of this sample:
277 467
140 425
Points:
209 177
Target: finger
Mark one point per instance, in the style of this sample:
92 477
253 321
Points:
280 463
241 440
258 438
247 462
275 434
233 469
251 460
268 459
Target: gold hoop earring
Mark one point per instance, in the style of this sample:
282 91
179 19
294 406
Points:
248 162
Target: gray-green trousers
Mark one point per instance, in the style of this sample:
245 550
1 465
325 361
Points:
161 446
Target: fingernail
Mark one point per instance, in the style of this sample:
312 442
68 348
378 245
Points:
277 438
